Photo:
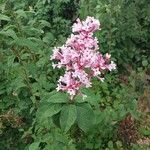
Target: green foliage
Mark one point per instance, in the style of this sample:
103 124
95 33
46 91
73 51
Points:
125 29
85 117
33 115
68 117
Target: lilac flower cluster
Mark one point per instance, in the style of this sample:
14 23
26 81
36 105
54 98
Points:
80 57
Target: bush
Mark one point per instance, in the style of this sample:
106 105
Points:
32 114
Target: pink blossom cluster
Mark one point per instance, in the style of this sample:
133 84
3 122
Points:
80 57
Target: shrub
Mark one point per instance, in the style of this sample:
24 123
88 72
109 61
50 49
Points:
32 114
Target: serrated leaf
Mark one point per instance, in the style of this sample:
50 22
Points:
91 97
68 117
85 117
34 146
28 43
47 110
31 31
58 98
18 83
49 37
80 99
4 17
10 33
44 23
21 13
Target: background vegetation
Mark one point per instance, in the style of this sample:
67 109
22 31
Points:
29 31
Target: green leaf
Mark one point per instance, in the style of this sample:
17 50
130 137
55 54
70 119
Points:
47 110
110 145
91 97
44 23
21 13
10 33
58 98
28 43
85 116
31 31
80 99
34 146
145 132
18 83
68 117
144 63
4 17
49 37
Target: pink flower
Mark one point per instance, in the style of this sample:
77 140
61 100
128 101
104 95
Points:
80 57
77 27
68 83
88 26
111 66
108 56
